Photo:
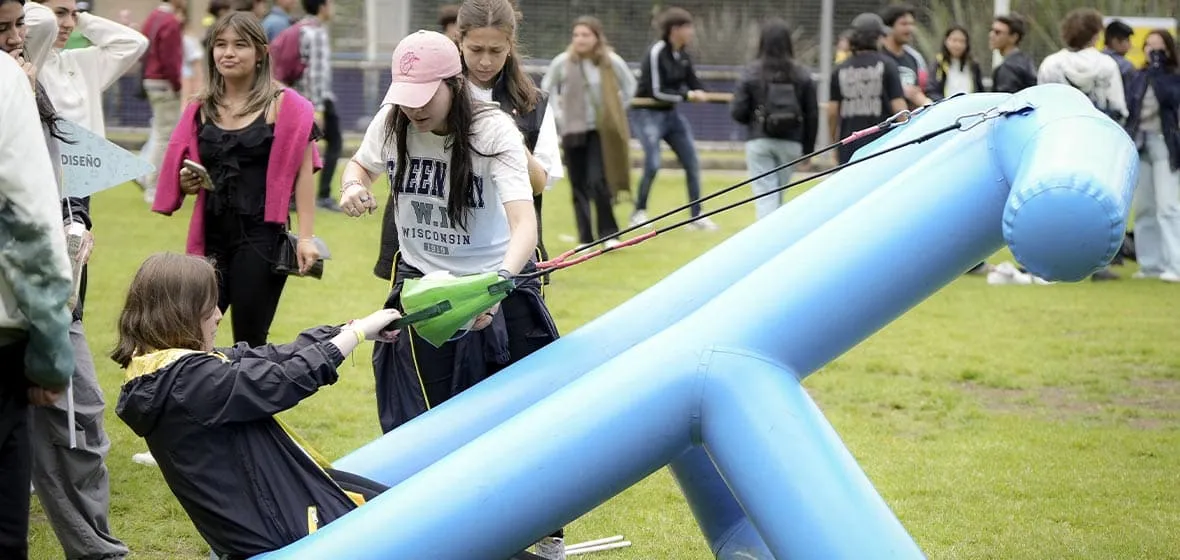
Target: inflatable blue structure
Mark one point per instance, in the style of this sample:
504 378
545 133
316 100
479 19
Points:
702 371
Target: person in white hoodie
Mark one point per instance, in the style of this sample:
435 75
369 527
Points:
1088 70
35 353
76 78
71 479
1084 67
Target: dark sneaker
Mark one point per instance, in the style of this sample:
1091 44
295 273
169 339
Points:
1104 275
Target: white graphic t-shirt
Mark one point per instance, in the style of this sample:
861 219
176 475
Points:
548 153
428 240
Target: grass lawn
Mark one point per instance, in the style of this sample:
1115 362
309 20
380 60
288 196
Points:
997 422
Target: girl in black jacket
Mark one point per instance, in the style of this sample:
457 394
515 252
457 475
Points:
248 485
776 100
955 70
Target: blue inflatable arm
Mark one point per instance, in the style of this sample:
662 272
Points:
703 370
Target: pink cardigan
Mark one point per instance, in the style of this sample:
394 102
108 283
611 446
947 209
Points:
292 131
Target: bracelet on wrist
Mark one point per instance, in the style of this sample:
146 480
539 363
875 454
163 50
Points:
360 336
351 183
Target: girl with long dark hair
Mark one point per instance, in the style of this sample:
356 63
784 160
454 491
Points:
462 204
955 70
776 100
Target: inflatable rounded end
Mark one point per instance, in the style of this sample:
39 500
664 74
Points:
1064 229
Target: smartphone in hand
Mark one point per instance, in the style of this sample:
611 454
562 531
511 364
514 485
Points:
201 173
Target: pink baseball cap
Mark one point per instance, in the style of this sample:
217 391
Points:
421 62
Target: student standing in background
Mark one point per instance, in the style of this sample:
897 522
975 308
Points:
955 70
667 75
71 481
162 74
866 88
1017 71
315 44
590 87
279 18
776 100
898 46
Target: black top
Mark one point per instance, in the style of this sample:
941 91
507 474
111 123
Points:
237 162
909 68
666 75
751 94
1017 72
864 86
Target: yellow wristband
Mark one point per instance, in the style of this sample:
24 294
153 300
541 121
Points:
360 336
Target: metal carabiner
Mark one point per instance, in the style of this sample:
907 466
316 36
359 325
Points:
898 119
975 119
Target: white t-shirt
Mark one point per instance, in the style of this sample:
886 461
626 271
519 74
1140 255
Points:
427 238
547 152
192 53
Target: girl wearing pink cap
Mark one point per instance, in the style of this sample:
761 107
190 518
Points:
461 204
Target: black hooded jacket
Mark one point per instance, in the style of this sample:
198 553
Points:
208 420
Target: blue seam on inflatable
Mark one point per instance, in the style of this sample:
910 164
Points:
696 408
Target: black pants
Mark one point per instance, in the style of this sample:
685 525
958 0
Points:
587 173
436 365
335 145
412 376
243 251
16 458
349 482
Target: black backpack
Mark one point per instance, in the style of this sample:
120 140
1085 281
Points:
779 114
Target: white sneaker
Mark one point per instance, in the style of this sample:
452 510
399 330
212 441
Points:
145 459
638 217
551 548
703 224
149 195
612 243
1144 276
1170 277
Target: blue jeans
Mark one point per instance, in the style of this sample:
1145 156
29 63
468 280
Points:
1157 210
671 127
762 155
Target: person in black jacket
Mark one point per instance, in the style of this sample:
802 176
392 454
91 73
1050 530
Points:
1018 70
776 100
1153 98
667 78
248 485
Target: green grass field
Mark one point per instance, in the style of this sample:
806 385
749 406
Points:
997 422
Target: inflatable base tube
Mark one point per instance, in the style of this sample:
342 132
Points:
866 257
